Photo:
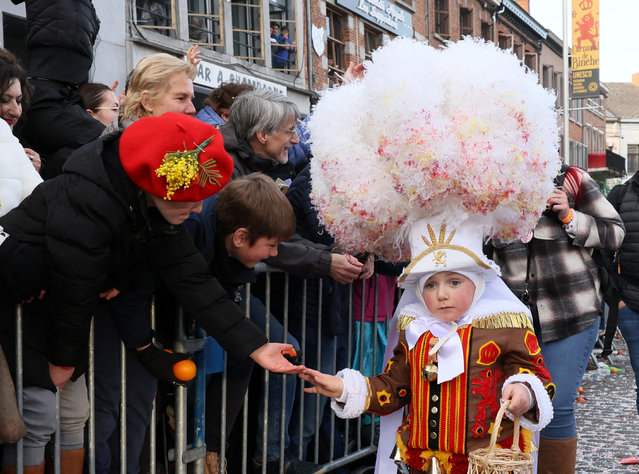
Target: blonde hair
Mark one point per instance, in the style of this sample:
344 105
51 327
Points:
152 74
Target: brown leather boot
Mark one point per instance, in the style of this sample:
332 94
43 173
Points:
557 456
27 470
72 461
12 427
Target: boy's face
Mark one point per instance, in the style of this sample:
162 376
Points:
448 295
175 212
239 248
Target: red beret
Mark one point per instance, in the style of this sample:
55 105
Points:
175 157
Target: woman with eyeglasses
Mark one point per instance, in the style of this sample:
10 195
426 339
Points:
101 103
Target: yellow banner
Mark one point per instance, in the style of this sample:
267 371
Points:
585 48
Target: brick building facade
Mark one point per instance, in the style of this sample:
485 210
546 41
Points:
236 43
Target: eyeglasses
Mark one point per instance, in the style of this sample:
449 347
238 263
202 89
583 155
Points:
291 132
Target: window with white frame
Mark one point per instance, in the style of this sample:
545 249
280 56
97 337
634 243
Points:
206 26
577 110
247 29
594 105
587 138
578 154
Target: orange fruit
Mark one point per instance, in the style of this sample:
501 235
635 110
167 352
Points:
184 370
614 371
619 352
580 390
581 399
291 352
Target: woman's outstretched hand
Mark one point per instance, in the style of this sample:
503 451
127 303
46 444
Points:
270 356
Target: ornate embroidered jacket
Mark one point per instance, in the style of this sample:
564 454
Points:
451 419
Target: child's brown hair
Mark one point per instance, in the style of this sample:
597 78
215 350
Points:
255 203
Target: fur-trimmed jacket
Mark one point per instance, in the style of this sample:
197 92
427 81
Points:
451 419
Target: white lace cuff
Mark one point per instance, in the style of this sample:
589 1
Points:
352 402
544 405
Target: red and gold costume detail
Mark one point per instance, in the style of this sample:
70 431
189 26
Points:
450 419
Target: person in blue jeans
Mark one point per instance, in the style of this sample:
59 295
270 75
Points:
625 199
553 272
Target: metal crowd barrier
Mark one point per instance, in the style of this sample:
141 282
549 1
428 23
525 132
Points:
183 454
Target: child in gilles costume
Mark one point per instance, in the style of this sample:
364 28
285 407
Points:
432 170
455 360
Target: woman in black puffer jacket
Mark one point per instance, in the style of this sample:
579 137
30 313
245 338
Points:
60 39
92 226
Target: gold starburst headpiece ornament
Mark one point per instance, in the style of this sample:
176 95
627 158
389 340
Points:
438 246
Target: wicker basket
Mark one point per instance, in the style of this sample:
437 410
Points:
496 460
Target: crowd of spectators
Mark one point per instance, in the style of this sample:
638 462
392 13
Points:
91 230
94 156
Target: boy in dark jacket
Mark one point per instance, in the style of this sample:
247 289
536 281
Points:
237 229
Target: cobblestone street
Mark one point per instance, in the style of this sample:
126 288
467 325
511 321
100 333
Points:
607 422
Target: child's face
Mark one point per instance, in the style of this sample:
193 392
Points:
448 295
175 212
250 255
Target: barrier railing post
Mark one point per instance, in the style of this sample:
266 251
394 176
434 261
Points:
122 408
91 393
283 411
199 408
300 441
180 403
153 422
319 365
247 315
267 330
19 383
56 439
